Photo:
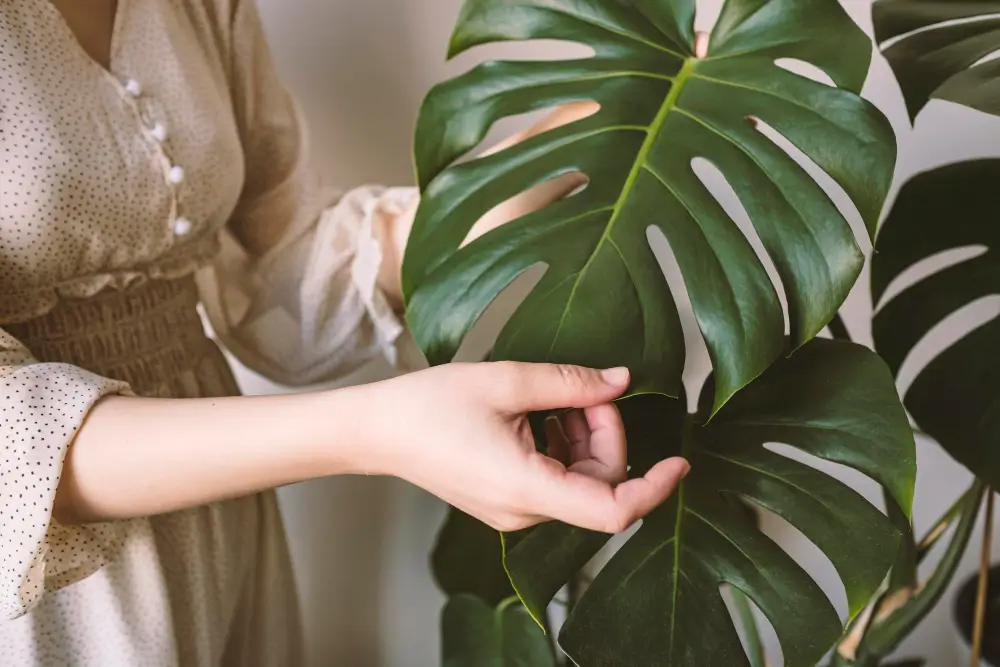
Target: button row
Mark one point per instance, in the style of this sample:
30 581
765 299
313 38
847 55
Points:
180 226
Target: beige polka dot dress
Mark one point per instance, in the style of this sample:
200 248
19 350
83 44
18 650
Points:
131 197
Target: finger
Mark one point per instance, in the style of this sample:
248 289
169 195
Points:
606 452
557 445
577 432
519 387
592 504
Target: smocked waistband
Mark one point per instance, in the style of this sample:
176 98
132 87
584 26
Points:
142 335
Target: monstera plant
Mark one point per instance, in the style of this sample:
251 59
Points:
940 49
666 113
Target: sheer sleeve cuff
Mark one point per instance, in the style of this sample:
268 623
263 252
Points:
41 408
311 311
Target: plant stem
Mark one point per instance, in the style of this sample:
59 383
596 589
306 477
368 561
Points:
904 570
886 633
982 589
838 329
933 536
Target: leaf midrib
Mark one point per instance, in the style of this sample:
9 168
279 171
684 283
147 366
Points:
686 437
652 133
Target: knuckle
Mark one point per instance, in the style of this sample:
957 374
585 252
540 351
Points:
619 521
509 523
573 377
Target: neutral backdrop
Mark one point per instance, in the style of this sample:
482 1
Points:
360 545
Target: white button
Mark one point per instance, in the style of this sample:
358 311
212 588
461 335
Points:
133 88
176 175
181 226
159 132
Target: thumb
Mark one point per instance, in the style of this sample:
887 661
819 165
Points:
593 504
534 387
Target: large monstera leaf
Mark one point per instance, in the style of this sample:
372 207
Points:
935 56
658 602
603 300
956 397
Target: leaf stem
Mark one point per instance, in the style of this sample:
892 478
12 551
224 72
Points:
887 632
982 589
904 570
838 329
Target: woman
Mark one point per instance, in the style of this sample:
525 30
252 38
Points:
150 160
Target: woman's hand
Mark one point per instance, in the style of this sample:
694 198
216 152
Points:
461 432
395 230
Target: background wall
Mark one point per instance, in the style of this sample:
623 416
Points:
360 546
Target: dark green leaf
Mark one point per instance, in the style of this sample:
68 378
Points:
956 398
468 559
657 602
603 300
474 634
939 59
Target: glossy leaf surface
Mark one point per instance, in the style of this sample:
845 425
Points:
603 300
467 559
936 49
657 602
956 397
475 634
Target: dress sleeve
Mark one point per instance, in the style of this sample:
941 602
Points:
293 293
41 407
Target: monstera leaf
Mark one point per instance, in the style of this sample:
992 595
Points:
603 300
956 397
658 602
935 56
474 634
466 559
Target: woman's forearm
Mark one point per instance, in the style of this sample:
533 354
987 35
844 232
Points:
140 457
459 431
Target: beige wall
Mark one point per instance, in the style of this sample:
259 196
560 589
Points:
360 545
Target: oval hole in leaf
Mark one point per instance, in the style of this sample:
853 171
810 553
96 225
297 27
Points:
505 132
482 337
715 182
988 57
528 49
833 189
807 555
529 200
943 335
926 267
765 631
936 26
806 69
860 482
697 364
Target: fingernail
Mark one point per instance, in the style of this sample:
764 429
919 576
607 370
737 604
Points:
685 469
616 377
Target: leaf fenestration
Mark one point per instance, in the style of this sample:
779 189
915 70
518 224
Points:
603 300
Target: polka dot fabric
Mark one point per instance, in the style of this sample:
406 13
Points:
127 196
41 406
